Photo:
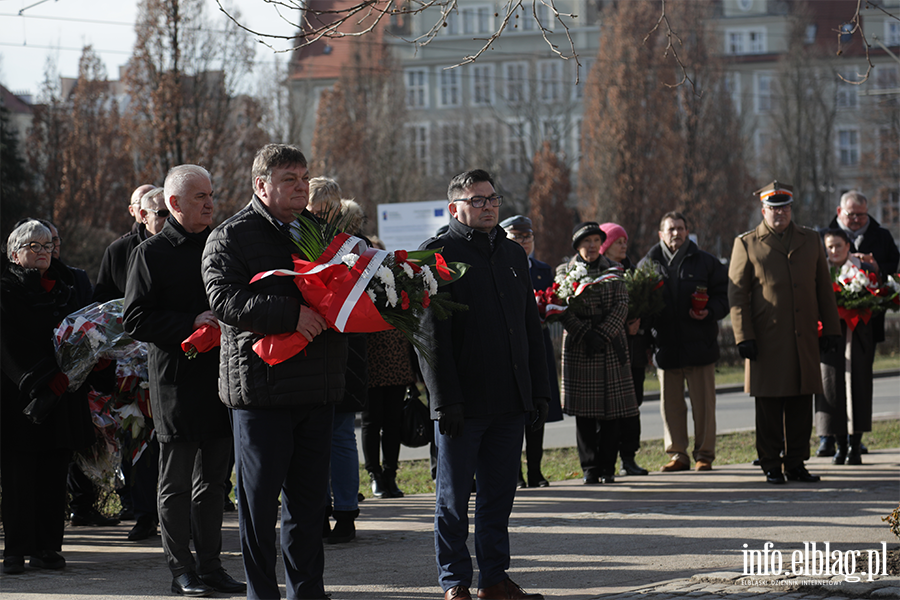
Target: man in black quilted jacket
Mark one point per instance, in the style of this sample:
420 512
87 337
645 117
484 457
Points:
282 414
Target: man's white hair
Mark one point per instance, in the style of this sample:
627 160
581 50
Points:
147 199
177 178
854 196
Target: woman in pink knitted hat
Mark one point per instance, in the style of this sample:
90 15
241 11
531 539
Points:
615 248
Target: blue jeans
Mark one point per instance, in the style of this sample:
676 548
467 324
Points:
282 451
489 450
344 484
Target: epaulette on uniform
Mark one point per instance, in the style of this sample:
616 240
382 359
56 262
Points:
745 233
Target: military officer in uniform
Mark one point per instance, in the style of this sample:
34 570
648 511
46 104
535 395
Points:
779 290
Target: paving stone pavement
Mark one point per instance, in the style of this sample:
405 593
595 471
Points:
663 536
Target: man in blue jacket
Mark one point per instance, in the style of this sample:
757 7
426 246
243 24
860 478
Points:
685 342
488 379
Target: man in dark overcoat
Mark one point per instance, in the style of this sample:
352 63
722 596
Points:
779 289
487 380
165 302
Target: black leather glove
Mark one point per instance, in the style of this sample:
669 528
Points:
452 420
829 343
748 349
594 342
540 412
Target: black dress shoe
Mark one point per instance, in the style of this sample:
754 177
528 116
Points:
13 565
801 474
144 528
775 477
221 581
520 484
630 467
863 449
591 480
92 517
538 482
608 479
48 560
188 584
826 446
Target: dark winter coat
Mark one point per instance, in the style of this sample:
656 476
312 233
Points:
679 340
597 385
163 296
251 242
489 358
28 316
541 279
878 242
113 274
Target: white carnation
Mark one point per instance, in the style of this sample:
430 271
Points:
386 276
408 270
391 295
371 295
430 281
350 259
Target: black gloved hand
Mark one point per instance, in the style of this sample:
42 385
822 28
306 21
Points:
829 343
540 412
594 342
452 420
748 349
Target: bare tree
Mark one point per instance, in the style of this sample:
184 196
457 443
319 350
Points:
185 81
360 138
628 172
550 212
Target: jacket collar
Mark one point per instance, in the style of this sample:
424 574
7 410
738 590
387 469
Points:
258 207
176 234
798 238
460 231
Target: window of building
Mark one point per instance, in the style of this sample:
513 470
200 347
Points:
847 93
891 32
890 209
576 141
553 130
516 138
416 88
848 147
578 90
764 97
418 144
811 30
483 85
484 139
745 41
886 77
888 140
544 15
448 87
550 80
452 21
477 19
451 147
515 82
732 82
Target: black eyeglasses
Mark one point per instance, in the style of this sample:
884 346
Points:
159 212
478 201
37 247
521 237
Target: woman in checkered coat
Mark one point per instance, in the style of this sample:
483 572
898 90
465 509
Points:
597 387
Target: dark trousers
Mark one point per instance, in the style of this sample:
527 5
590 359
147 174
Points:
143 480
489 449
33 503
381 427
534 453
282 451
630 431
598 445
783 423
189 501
81 488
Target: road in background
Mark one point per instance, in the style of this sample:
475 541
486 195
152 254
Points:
734 412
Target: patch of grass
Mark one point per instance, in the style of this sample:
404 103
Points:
561 464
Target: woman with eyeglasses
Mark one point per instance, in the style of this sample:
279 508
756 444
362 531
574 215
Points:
597 384
35 295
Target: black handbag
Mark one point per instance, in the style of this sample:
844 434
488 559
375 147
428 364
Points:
416 426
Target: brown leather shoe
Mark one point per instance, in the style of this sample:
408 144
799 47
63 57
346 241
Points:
458 592
506 590
675 465
703 465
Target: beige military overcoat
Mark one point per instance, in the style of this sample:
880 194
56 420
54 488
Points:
777 298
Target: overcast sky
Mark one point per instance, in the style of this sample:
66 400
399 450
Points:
60 28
